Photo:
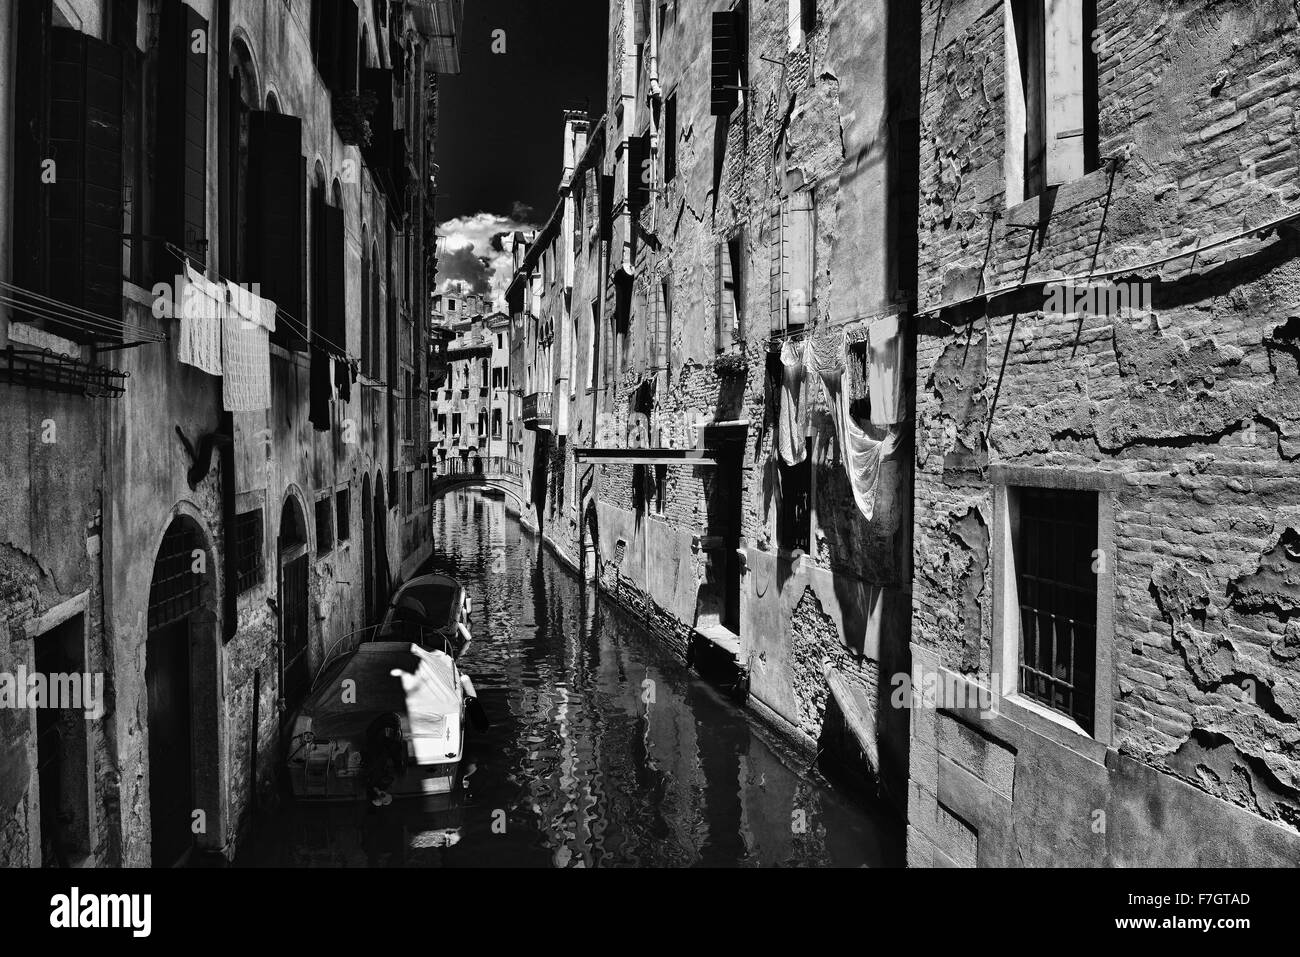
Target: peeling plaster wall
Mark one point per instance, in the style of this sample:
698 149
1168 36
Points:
1190 406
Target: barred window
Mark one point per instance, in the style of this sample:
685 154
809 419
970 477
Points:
1054 536
248 550
177 586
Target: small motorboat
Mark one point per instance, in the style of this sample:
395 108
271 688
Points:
431 611
384 721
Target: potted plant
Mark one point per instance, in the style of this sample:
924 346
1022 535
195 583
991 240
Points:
730 364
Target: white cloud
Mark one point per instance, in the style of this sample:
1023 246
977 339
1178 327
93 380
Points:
475 234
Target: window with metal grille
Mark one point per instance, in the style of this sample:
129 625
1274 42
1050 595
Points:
324 529
1054 535
343 508
177 585
410 491
248 549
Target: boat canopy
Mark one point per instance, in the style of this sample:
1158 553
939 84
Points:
388 677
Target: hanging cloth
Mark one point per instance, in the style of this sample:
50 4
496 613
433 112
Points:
885 346
246 352
322 389
202 308
862 451
345 374
792 427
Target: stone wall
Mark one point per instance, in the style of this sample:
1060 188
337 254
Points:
1182 413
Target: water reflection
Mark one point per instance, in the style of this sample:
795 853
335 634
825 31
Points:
603 750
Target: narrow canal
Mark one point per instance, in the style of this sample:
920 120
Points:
603 751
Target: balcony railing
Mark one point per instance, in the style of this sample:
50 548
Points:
537 411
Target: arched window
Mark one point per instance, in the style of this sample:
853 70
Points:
365 299
316 260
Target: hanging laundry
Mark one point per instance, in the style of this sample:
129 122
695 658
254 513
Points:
252 308
322 389
863 451
885 355
246 352
202 308
345 373
793 425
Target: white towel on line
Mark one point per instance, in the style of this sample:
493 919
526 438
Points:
202 307
246 353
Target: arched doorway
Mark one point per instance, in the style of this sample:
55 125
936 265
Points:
381 549
183 697
367 553
291 546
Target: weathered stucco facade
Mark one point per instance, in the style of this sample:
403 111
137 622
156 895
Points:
334 488
1167 426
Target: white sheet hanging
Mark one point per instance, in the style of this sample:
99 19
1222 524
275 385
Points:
202 307
863 451
885 345
792 429
246 352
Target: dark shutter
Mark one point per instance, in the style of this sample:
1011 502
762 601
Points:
723 94
639 174
278 184
69 231
332 282
349 40
379 83
183 128
606 207
670 138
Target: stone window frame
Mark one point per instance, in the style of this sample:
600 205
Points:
1006 644
254 500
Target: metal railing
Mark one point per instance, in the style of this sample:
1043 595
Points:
486 465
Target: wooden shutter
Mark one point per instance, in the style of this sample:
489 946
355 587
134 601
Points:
183 127
1064 52
776 273
639 172
277 188
379 83
723 93
349 38
335 314
798 258
670 138
69 231
724 295
606 207
736 275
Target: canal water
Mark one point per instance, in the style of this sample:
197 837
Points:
604 750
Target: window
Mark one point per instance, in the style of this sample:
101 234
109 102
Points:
730 60
794 530
1051 111
670 138
661 485
496 423
248 550
793 231
343 514
1054 541
663 324
410 491
324 526
801 17
729 296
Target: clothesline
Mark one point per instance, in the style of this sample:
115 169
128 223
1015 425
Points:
298 326
47 308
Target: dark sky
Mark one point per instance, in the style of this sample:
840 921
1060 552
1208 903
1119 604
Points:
500 121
